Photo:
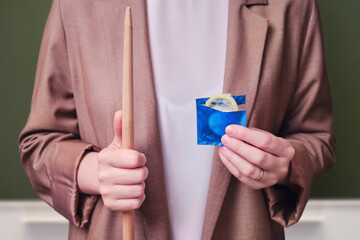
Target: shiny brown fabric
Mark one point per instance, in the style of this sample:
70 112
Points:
274 55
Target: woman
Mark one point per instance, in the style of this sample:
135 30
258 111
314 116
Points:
256 184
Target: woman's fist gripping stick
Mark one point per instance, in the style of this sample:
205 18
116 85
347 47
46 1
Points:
117 174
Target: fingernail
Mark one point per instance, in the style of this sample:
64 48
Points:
229 129
225 139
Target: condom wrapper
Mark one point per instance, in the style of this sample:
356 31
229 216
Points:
211 123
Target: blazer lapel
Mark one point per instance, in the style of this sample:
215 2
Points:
154 210
245 44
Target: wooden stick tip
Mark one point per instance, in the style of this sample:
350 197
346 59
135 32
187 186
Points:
128 16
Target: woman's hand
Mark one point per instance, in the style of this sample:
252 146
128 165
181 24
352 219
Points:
256 157
119 176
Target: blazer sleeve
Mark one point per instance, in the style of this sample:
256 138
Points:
49 145
308 127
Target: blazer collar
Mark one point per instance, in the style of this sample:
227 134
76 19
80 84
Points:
245 44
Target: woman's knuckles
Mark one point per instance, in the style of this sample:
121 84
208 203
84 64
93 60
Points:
124 204
126 158
144 173
283 171
137 203
291 152
103 156
135 159
104 190
103 176
249 172
261 159
140 190
136 176
133 191
122 191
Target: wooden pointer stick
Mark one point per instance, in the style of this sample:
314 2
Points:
128 112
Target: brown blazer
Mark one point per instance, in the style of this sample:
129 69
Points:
274 55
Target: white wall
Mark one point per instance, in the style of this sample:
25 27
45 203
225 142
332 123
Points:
328 220
31 220
322 220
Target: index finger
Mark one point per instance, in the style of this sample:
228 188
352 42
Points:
123 158
128 158
257 138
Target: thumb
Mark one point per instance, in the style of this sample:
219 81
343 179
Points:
117 129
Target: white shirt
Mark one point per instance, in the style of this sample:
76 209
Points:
188 43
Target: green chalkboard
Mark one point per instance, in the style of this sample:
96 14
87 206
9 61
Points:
341 27
22 23
21 26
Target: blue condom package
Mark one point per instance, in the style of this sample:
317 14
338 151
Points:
211 123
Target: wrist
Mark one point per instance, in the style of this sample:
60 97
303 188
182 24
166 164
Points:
87 174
